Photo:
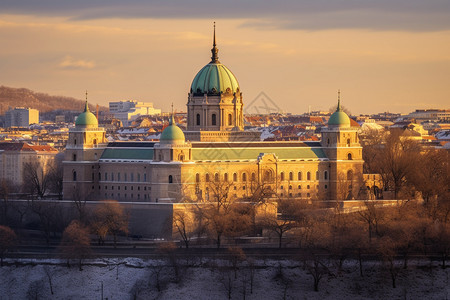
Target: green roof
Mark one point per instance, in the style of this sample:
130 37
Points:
128 153
172 132
253 153
214 78
339 118
87 118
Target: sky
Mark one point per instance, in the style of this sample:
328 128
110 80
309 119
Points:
384 55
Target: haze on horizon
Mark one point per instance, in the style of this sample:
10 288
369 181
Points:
383 55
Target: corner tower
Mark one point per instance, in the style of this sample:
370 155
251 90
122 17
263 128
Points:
215 104
84 147
341 144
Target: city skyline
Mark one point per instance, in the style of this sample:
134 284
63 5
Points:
383 57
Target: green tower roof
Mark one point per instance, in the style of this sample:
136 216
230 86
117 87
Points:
172 133
214 78
339 118
86 118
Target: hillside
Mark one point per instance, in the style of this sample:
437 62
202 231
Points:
22 97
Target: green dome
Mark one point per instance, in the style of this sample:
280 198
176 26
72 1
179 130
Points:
213 79
86 118
339 118
172 133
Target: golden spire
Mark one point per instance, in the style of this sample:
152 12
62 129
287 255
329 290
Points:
172 118
86 106
339 101
214 50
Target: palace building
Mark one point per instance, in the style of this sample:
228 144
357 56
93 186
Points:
215 152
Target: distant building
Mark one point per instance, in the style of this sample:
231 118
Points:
21 117
60 119
128 111
431 114
14 156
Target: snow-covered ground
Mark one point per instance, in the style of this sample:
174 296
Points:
121 278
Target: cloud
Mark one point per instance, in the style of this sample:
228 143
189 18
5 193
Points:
406 15
69 62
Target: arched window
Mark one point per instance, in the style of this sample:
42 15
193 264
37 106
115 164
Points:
253 177
317 175
207 177
349 156
348 142
197 178
308 176
198 119
170 179
299 176
74 157
95 142
349 175
268 177
74 175
244 177
181 157
213 119
225 177
325 175
216 177
291 176
230 119
75 141
282 176
234 177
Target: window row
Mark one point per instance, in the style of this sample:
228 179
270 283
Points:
125 196
214 120
217 177
126 177
125 188
244 177
300 176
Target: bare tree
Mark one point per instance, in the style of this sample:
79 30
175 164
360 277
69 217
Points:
184 225
317 269
8 240
223 215
36 290
75 243
388 249
432 176
36 180
51 215
235 256
7 187
110 218
371 214
49 274
55 175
